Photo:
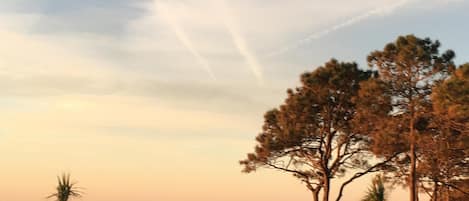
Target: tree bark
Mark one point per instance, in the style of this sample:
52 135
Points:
435 191
447 193
360 174
327 181
316 195
413 162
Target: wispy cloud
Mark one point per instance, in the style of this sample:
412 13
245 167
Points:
354 20
165 13
239 41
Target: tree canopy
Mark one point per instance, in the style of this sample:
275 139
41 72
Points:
444 167
311 134
409 114
409 68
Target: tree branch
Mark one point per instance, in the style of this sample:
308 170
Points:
360 174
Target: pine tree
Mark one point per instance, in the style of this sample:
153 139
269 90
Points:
311 135
445 166
408 69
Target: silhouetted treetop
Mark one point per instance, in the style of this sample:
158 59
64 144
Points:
409 68
311 134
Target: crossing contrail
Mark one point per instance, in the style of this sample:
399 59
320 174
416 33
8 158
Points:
240 42
171 20
349 22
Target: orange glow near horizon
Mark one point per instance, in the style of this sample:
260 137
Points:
124 98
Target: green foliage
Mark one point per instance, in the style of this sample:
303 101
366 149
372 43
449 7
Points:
413 113
311 135
444 167
376 191
65 189
462 193
409 68
451 98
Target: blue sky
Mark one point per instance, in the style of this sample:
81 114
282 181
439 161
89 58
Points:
101 79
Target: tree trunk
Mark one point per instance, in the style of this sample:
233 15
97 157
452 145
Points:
413 163
325 196
316 195
447 194
412 176
435 192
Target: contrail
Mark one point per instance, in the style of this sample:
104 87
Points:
240 42
164 12
351 21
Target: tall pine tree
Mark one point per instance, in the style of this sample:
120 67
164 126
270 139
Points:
408 69
311 135
444 166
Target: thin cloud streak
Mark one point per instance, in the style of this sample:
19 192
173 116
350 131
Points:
351 21
171 20
240 42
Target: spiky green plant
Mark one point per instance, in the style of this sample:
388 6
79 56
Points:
376 191
65 189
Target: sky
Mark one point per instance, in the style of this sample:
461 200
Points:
159 99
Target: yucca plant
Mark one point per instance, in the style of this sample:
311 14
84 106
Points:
376 191
65 189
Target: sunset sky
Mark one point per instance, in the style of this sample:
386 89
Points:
158 100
